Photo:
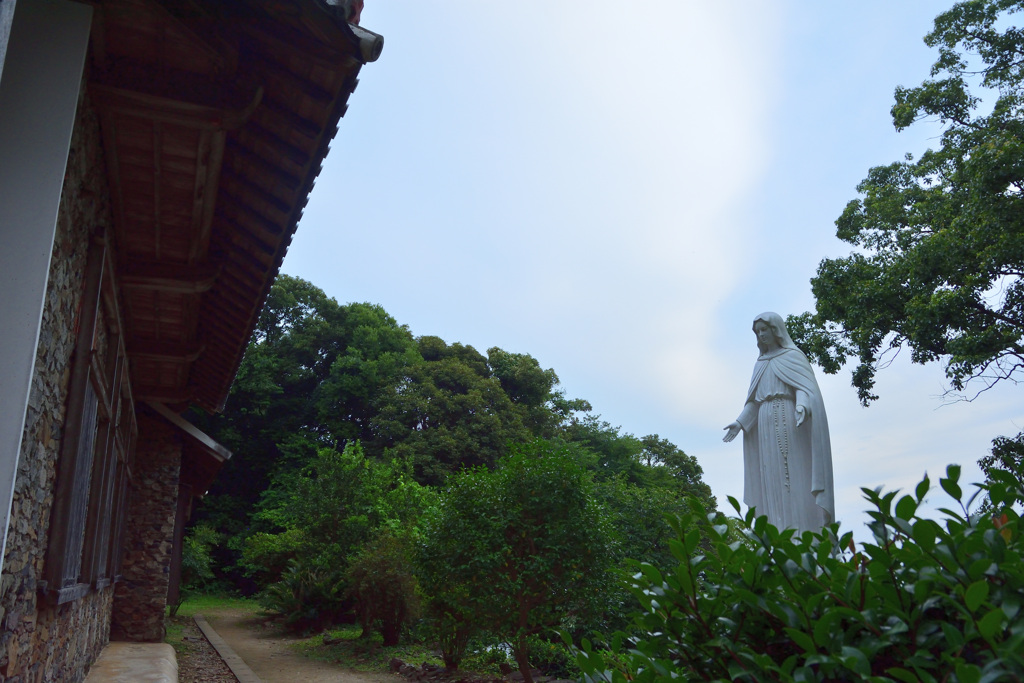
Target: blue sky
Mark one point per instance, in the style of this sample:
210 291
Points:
618 188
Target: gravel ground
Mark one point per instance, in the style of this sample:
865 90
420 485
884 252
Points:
198 662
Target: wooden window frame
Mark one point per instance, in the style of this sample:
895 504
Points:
86 522
67 518
118 426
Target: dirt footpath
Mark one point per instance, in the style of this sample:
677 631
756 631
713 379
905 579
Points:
268 654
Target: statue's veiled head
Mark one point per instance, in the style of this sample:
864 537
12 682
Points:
771 333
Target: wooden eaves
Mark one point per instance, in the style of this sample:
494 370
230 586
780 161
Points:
215 120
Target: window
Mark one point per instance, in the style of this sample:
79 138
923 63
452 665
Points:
109 480
100 432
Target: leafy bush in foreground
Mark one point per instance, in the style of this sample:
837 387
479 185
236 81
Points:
516 551
926 601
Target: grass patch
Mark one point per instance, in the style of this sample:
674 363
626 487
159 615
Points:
175 632
369 654
362 654
201 602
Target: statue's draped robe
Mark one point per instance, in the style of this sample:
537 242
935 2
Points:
787 469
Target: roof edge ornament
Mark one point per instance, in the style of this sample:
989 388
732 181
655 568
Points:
370 44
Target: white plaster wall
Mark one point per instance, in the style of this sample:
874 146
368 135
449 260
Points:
6 18
42 71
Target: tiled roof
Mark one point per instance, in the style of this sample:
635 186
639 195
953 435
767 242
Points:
216 118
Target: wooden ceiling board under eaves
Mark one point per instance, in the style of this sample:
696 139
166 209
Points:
215 118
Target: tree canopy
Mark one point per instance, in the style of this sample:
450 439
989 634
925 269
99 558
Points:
447 412
938 265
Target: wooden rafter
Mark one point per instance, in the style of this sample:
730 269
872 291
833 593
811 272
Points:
219 51
270 145
157 108
240 214
283 117
213 448
257 164
157 177
168 277
163 394
239 184
209 156
165 352
283 41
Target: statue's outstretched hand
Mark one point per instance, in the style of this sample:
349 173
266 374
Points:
731 431
801 415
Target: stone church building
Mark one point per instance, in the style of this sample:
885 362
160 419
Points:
155 158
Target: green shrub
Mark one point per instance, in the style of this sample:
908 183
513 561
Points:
925 601
381 580
491 655
196 563
451 625
553 658
518 550
308 598
266 557
323 513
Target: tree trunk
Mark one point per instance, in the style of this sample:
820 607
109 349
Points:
391 633
522 655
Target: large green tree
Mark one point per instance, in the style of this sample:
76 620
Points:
340 373
448 412
648 462
938 265
308 379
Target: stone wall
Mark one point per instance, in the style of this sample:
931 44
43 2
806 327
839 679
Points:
141 597
39 642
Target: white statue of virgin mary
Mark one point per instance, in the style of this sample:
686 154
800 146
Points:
787 456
